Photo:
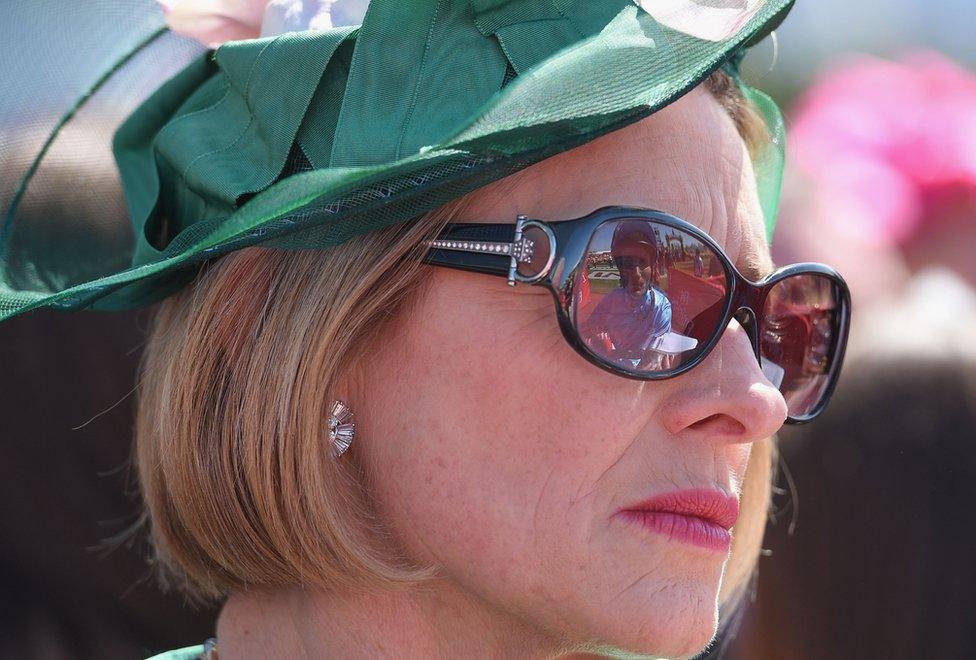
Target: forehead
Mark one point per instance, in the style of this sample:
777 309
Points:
686 159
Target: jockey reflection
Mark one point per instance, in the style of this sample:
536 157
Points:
628 323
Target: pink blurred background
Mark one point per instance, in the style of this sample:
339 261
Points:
869 548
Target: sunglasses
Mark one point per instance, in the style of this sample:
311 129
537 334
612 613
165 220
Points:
646 295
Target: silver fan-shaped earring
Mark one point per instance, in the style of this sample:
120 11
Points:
341 428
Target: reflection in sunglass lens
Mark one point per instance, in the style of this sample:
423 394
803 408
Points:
648 296
800 332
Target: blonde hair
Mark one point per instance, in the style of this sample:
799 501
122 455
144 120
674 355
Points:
235 380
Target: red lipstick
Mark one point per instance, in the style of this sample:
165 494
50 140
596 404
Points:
701 517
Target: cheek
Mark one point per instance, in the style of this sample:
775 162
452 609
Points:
483 438
499 454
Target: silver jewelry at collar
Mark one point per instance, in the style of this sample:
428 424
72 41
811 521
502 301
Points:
341 428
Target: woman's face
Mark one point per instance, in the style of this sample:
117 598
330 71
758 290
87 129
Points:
499 454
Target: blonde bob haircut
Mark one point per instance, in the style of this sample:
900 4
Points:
236 379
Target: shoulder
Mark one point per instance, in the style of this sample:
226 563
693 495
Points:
187 653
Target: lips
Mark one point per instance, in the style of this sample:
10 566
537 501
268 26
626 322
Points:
701 517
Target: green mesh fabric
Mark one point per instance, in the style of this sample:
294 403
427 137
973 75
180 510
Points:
309 138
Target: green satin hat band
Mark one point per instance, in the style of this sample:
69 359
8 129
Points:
306 139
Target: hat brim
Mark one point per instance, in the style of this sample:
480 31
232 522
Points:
627 71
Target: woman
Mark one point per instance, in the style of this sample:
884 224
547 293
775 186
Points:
373 456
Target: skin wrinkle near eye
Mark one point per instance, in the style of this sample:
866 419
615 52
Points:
540 318
713 209
540 448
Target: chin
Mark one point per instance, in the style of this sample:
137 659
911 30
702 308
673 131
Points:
674 619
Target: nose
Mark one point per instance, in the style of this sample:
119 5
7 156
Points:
725 398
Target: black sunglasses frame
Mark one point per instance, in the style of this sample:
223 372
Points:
503 249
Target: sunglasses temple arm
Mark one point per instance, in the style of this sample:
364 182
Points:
482 248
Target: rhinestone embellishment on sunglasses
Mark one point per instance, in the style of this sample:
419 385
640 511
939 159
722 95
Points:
473 246
521 250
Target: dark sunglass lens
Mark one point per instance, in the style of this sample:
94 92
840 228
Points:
801 330
648 297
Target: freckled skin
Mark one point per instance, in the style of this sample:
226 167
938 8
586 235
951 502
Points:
500 455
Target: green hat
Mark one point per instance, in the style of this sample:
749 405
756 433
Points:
308 138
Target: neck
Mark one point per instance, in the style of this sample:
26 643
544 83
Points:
431 621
